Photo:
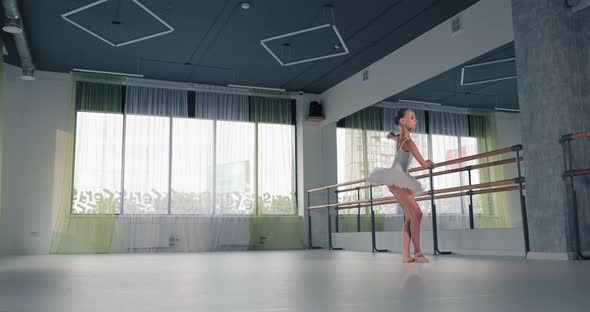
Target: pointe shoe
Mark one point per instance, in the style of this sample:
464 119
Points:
408 260
419 257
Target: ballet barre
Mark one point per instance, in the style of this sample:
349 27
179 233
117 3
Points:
432 195
570 174
418 177
425 195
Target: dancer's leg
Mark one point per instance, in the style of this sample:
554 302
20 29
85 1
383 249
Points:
407 200
405 229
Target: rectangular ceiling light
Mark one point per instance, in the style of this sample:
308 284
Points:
420 102
252 87
106 72
509 110
463 83
143 7
264 41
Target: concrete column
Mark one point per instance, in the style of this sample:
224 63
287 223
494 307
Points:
551 105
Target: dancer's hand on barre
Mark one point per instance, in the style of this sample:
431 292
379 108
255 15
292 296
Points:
429 163
392 136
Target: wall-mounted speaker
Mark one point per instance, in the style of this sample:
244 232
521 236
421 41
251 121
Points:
315 111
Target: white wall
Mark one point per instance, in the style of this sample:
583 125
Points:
33 112
310 155
487 25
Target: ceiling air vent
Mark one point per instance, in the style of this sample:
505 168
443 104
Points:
456 24
365 75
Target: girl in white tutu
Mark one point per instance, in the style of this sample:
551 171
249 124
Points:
402 185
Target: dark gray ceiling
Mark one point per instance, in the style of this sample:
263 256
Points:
447 90
217 42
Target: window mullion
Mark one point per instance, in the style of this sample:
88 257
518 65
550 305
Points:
123 139
365 161
459 155
213 192
256 208
170 169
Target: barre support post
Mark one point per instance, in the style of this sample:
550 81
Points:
434 226
330 246
525 223
373 234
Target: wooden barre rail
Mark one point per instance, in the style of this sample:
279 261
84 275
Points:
580 135
442 164
477 156
577 172
423 198
446 190
474 167
575 136
336 185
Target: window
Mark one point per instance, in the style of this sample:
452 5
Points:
164 164
446 147
147 164
234 168
192 172
276 169
97 163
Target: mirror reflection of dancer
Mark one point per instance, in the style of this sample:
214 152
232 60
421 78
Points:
402 185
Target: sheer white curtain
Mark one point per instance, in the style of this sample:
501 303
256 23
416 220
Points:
190 183
98 146
192 172
235 166
147 164
276 169
359 132
147 170
147 147
97 165
206 163
448 130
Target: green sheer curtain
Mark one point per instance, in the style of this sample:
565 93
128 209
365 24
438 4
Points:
98 97
271 110
362 131
1 122
273 231
93 233
492 207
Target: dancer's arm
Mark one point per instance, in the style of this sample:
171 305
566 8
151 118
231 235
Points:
412 148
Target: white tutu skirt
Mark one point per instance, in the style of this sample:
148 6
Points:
397 177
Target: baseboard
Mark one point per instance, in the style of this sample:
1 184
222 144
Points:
554 256
501 253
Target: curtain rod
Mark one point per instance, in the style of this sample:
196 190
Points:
205 88
152 83
434 108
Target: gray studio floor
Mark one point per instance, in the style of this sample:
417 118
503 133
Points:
289 281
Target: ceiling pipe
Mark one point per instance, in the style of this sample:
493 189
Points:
14 25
